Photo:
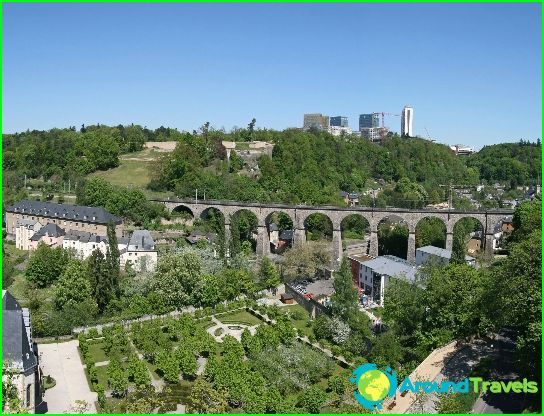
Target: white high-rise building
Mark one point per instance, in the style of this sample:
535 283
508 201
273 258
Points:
406 121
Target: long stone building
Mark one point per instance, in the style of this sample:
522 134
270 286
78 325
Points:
299 214
68 217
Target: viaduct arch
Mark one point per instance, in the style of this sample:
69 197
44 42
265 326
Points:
299 213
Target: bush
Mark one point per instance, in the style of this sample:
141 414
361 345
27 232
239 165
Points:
93 333
48 382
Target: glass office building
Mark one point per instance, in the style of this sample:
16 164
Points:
339 121
368 121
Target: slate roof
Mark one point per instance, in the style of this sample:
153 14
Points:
50 230
16 336
141 240
27 223
286 235
94 215
391 266
84 237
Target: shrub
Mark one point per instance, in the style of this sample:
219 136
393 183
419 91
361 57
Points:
93 333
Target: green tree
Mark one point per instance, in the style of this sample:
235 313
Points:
73 285
168 365
45 265
138 372
312 399
117 378
101 283
112 259
268 274
205 399
344 300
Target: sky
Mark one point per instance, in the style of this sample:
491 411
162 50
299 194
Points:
472 72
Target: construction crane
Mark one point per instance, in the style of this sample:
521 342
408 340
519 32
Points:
428 135
387 114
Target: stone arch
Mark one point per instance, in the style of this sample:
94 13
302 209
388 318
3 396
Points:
244 224
498 229
213 220
395 237
356 227
280 227
474 233
318 225
183 213
437 226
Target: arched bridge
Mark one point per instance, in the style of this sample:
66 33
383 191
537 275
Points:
299 214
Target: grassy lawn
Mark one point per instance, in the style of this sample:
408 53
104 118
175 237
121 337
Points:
153 369
102 373
239 317
97 353
205 323
300 324
129 173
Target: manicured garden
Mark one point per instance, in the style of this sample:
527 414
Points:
160 364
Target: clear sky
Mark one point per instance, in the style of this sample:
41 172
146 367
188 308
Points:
472 72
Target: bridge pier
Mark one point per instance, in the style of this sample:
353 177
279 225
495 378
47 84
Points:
337 251
299 236
411 254
263 241
449 241
373 243
227 239
488 247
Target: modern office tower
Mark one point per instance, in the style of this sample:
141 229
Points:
316 120
339 121
406 121
367 121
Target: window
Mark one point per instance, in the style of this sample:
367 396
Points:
28 395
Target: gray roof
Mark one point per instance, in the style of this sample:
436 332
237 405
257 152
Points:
440 252
391 266
95 215
84 237
141 240
16 335
27 223
286 235
50 230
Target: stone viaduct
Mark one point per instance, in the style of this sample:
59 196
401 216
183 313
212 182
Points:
299 214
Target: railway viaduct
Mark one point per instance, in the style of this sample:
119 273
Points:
299 214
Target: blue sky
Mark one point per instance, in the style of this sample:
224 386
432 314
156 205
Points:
471 72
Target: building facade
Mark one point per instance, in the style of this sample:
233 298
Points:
24 231
338 131
339 121
368 121
372 276
19 353
316 121
374 134
406 122
140 252
68 217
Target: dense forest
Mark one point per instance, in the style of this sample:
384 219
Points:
305 167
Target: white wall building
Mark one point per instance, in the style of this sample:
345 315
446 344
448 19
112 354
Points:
84 243
140 252
24 231
406 121
338 130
